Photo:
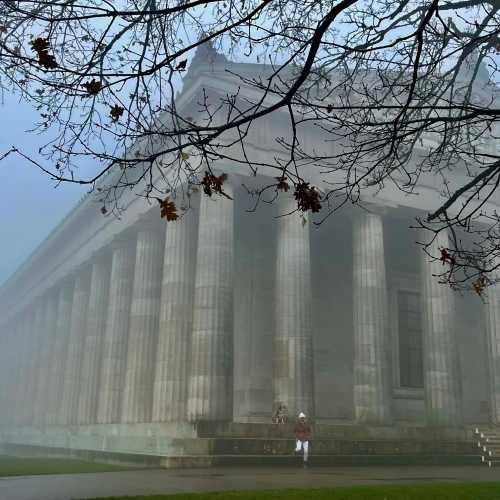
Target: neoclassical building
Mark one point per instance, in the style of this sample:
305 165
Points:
119 331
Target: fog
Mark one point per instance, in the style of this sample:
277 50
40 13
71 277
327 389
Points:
133 340
30 202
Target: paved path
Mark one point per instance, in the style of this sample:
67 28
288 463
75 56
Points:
141 482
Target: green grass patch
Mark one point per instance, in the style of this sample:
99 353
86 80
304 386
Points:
21 466
438 491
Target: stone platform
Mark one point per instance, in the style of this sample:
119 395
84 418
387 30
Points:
209 444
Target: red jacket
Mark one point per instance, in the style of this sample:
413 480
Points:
302 431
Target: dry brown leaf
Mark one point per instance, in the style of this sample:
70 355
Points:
93 87
40 44
116 112
182 65
282 184
47 60
168 210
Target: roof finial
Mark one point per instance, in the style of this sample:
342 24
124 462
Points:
468 67
206 54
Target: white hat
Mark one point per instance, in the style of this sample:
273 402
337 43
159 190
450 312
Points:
302 415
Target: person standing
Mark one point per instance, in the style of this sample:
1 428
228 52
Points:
303 434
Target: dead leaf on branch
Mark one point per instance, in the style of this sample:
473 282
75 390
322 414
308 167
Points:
116 112
307 197
495 43
480 284
47 60
282 184
446 257
93 87
41 46
213 184
3 29
181 66
168 209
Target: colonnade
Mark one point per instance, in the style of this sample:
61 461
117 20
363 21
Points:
143 331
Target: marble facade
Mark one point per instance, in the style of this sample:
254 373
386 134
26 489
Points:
221 315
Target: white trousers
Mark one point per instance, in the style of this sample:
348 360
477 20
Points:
303 445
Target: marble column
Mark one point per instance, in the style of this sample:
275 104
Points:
13 364
22 408
210 390
37 359
61 343
4 373
21 365
47 356
92 345
9 381
114 362
21 346
11 367
293 382
492 313
440 350
144 320
176 319
71 386
372 384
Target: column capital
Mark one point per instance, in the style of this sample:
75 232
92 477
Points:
369 208
149 221
126 238
81 269
49 293
66 282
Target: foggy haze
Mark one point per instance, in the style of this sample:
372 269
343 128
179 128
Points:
29 204
231 317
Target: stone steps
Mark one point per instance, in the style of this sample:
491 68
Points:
488 442
230 444
492 448
247 460
263 446
333 431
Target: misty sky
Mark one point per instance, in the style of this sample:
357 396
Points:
29 204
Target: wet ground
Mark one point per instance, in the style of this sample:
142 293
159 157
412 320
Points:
143 482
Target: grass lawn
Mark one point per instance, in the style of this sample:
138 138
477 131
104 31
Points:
21 466
438 491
